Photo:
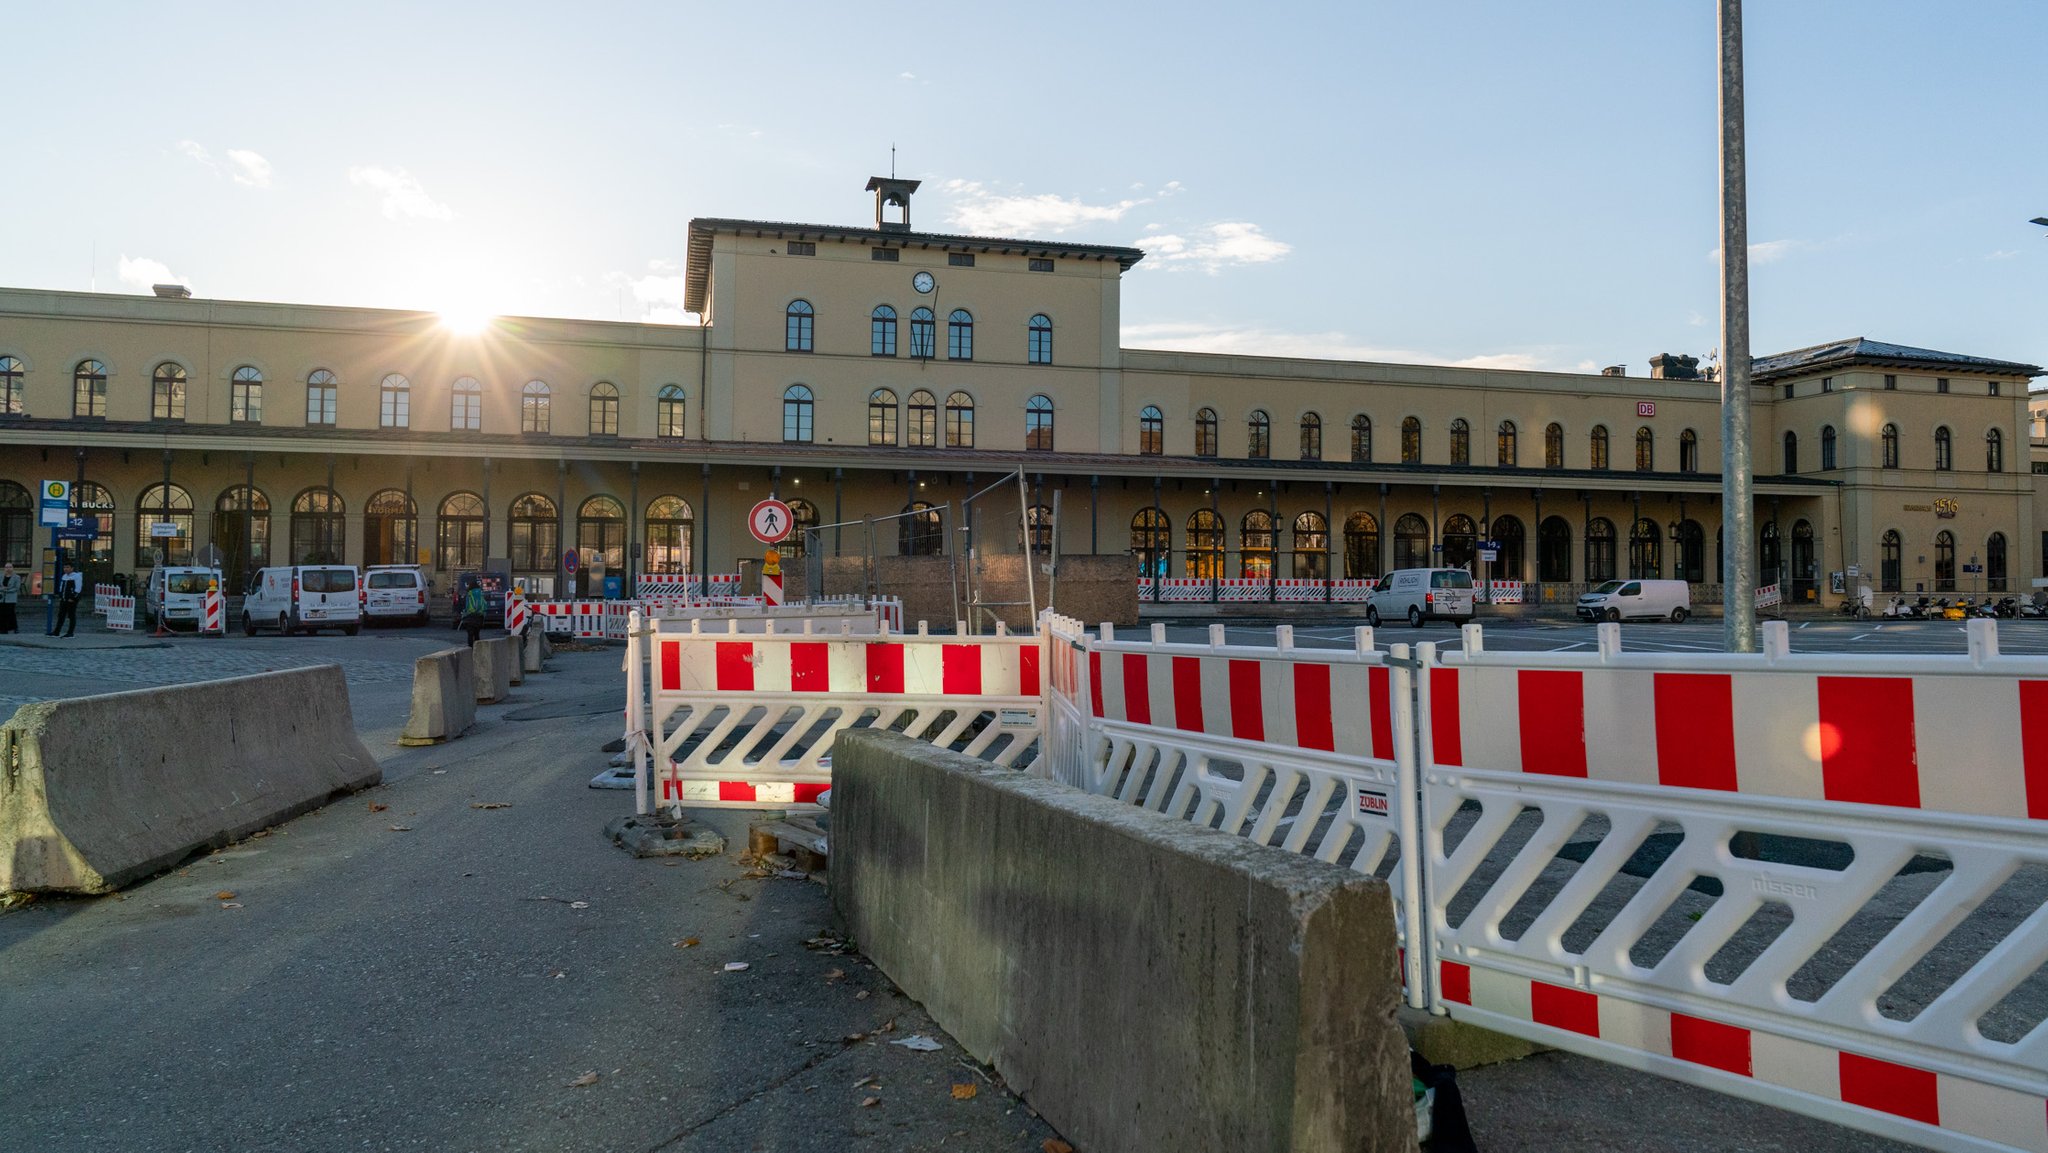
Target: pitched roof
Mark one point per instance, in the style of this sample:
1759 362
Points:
1862 350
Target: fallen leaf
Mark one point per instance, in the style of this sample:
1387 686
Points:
861 996
964 1092
888 1026
377 808
231 904
870 1102
1055 1145
490 804
867 1080
830 974
223 895
736 966
587 1079
440 772
558 974
852 1037
687 943
400 828
579 904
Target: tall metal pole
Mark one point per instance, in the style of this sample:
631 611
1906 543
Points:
1738 574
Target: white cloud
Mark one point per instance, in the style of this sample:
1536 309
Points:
2003 254
1763 251
659 293
403 193
1215 247
142 272
906 76
196 151
979 211
1185 337
250 168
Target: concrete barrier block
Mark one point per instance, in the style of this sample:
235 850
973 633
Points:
443 697
102 791
1143 982
497 668
532 643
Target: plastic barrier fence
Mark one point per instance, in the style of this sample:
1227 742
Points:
101 594
120 613
722 584
583 619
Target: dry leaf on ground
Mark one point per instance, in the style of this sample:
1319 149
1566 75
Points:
490 804
1055 1145
579 904
834 974
964 1092
231 904
587 1079
861 996
864 1081
377 808
687 943
400 828
870 1102
224 895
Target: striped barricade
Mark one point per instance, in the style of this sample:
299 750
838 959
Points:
1504 592
120 612
101 596
516 614
581 619
747 720
1818 881
213 617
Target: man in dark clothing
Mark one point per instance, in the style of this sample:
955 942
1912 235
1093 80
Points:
474 609
69 590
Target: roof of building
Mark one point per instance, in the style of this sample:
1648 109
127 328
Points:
1862 350
697 280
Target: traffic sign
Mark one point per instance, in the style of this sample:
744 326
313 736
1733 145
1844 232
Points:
570 561
769 521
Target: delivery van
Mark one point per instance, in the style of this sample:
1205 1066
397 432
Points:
176 595
304 598
1421 594
1637 600
395 592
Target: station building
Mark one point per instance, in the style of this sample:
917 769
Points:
874 370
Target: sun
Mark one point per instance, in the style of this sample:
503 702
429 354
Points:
466 320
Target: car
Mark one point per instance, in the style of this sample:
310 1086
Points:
395 592
304 598
1656 600
176 594
1421 594
494 585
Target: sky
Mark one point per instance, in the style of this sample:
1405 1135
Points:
1488 182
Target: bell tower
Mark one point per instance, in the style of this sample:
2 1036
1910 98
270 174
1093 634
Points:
892 193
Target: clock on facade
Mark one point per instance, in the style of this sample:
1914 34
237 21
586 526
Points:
924 282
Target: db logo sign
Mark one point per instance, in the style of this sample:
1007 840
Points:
1372 804
1646 408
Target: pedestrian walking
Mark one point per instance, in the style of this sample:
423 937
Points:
69 591
10 596
475 608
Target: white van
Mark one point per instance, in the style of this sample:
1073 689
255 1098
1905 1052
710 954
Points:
395 592
177 595
304 598
1637 600
1421 594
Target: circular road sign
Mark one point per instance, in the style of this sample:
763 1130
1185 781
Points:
570 561
770 521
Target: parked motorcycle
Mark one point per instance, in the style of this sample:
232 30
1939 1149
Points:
2008 608
1899 610
2035 606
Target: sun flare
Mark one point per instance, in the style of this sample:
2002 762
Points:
467 320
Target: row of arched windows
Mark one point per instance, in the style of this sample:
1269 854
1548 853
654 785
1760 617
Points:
1888 449
1891 562
917 423
800 321
1507 441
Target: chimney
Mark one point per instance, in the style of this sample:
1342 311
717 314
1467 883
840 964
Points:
1615 370
171 291
1670 366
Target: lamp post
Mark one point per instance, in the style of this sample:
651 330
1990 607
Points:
1739 575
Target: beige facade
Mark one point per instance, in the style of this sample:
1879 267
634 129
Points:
384 436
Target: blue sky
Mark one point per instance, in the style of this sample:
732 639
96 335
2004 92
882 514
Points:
1489 183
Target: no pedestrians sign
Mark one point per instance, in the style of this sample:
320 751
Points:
769 521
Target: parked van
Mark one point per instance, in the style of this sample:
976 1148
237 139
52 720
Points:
1421 594
176 595
1637 600
395 592
307 597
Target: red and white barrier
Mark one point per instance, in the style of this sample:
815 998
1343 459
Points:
721 584
1504 592
120 612
581 619
213 617
1767 597
516 613
101 595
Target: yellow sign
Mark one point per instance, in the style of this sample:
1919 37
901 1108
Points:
772 563
1946 507
56 489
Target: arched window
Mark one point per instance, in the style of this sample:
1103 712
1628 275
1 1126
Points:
167 394
318 516
1205 432
1944 562
1994 563
1645 550
1599 550
1151 431
1152 541
1038 424
1311 546
1411 541
391 528
882 417
1361 546
1506 533
321 390
1460 541
94 500
10 387
1646 450
1553 446
960 335
1891 557
536 530
1038 340
882 331
601 531
1596 449
924 420
1461 442
1688 451
796 414
1692 552
921 533
241 530
394 402
604 409
1361 439
1311 436
17 524
1411 440
163 504
803 516
1827 447
1205 544
1508 452
671 525
1994 451
535 409
1944 450
1803 575
89 389
959 420
466 405
923 333
1769 559
1258 436
459 532
668 412
1888 442
1791 452
1554 550
799 325
245 398
1255 545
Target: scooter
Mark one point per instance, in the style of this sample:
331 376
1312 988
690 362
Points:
1986 608
1899 610
2008 608
2034 607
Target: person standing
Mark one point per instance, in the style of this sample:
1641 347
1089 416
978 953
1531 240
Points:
69 591
10 596
475 608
